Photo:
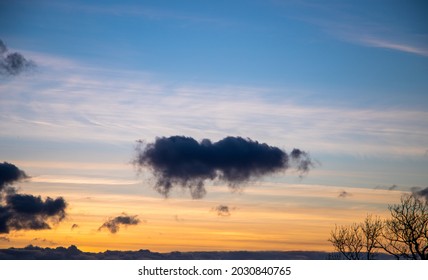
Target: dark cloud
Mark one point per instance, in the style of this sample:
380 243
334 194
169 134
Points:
28 212
25 211
10 174
302 160
421 192
74 226
222 210
113 224
344 194
12 64
183 161
393 187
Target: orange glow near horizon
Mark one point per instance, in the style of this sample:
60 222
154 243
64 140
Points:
279 224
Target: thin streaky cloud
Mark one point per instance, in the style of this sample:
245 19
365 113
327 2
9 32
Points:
367 31
386 44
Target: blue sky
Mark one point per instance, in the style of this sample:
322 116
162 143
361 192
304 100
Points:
346 81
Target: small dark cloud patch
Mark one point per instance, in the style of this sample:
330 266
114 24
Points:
25 211
222 210
113 224
421 192
178 219
44 240
74 226
4 238
393 187
185 162
344 194
12 64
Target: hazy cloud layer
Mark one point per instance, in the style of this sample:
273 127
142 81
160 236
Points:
113 224
25 211
14 63
183 161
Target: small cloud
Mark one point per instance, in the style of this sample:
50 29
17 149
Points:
344 194
421 192
113 224
4 238
44 240
393 187
222 210
178 219
74 226
12 64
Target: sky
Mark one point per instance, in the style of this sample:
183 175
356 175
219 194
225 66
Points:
346 82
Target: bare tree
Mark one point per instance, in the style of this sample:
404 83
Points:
404 235
357 241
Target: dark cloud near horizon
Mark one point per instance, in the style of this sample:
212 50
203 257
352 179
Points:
25 211
421 192
183 161
113 224
12 64
4 238
393 187
73 253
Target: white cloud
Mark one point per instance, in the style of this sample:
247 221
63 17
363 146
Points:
98 105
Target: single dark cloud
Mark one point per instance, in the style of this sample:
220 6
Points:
393 187
421 192
344 194
183 161
113 224
74 226
222 210
25 211
12 64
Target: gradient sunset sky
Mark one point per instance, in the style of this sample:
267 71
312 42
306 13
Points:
346 81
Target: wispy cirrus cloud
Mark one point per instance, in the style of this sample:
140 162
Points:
369 27
85 103
397 46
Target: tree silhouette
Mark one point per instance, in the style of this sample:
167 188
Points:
357 241
404 235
